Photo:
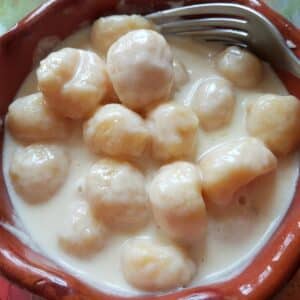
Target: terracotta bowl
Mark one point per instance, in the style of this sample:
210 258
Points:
55 20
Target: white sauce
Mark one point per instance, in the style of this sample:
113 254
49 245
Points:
234 234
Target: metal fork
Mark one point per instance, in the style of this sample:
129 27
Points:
230 23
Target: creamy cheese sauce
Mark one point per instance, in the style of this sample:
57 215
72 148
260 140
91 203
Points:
234 234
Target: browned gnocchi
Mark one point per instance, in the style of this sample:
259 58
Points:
156 266
30 120
274 119
73 82
181 75
173 127
117 131
105 31
38 171
231 165
214 102
117 195
82 235
135 58
240 66
177 203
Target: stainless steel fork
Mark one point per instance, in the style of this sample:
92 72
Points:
233 24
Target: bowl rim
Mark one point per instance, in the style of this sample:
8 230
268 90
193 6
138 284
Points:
268 270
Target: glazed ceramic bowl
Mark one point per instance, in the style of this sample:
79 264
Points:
52 22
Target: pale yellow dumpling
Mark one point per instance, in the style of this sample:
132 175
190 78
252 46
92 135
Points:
174 129
243 68
116 194
81 235
275 120
106 30
73 82
177 203
117 131
140 66
38 171
30 120
214 102
181 75
152 265
233 164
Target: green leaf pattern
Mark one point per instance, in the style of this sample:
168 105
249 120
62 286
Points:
11 11
289 8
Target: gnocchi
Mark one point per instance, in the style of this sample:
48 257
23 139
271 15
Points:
181 75
73 82
240 66
116 131
38 171
152 265
231 165
117 195
105 31
174 129
214 102
30 120
135 58
177 203
81 235
275 119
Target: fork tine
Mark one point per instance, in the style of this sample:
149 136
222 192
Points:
256 32
218 33
229 9
194 24
226 41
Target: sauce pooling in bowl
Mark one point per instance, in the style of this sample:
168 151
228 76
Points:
176 184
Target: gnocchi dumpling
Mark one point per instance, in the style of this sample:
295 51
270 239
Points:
231 165
140 68
174 129
117 131
214 102
116 194
275 120
73 82
106 30
30 120
38 171
243 68
81 235
181 75
153 265
177 203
